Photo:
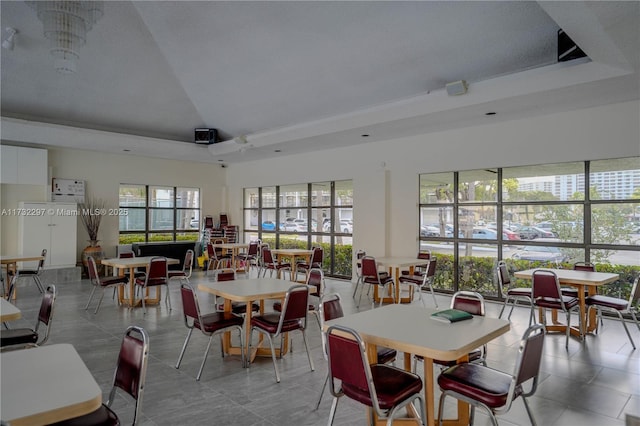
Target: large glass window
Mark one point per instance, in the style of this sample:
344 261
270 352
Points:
159 213
302 216
531 216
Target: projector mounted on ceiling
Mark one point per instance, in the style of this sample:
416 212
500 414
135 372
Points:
206 136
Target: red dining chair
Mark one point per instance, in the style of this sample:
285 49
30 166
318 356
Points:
18 338
315 279
491 389
250 258
33 273
211 324
317 256
330 308
157 275
423 281
183 274
384 388
371 276
422 267
103 283
127 254
270 264
546 294
129 377
618 306
578 266
238 308
293 317
359 255
510 292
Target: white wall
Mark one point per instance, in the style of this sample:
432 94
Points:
385 174
103 174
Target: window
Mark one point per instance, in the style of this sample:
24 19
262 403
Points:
304 215
159 213
532 216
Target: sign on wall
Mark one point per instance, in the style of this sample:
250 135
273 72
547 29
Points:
67 190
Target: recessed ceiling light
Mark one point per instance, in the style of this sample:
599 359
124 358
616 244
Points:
277 150
490 113
126 150
365 135
221 160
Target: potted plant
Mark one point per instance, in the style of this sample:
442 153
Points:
91 212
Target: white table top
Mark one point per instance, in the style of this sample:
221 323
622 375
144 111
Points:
247 290
570 276
410 329
134 262
46 384
398 262
8 311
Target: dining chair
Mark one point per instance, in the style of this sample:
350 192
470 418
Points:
423 281
214 261
34 273
420 268
293 317
579 266
101 282
238 308
317 256
250 258
157 275
223 255
494 390
18 338
330 308
546 294
511 293
315 279
359 255
371 276
270 264
183 274
128 254
208 222
473 303
211 324
130 377
384 388
618 306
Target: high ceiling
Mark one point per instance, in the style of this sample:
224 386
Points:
301 76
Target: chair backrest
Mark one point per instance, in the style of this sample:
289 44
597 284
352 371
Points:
295 306
584 266
190 305
188 262
208 222
424 254
359 255
329 308
226 275
634 296
92 268
45 315
546 285
504 279
211 252
41 261
267 256
529 358
157 271
316 279
224 220
318 255
369 267
348 363
468 301
126 254
431 268
131 368
253 248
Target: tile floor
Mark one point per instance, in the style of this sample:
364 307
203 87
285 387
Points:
591 384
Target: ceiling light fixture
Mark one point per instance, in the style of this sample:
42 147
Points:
457 88
9 42
65 25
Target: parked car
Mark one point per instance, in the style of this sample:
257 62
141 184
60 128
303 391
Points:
485 234
195 223
268 225
533 232
429 231
346 226
301 225
542 254
510 235
288 226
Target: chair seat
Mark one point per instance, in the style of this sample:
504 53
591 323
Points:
239 308
519 292
393 385
177 274
18 336
218 320
103 416
152 281
412 279
277 306
306 265
137 275
571 291
386 355
106 282
606 301
382 280
27 272
473 356
478 382
269 323
546 302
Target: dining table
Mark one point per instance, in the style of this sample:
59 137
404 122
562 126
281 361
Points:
411 330
293 255
122 265
394 265
10 262
585 282
249 291
234 248
46 384
8 311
